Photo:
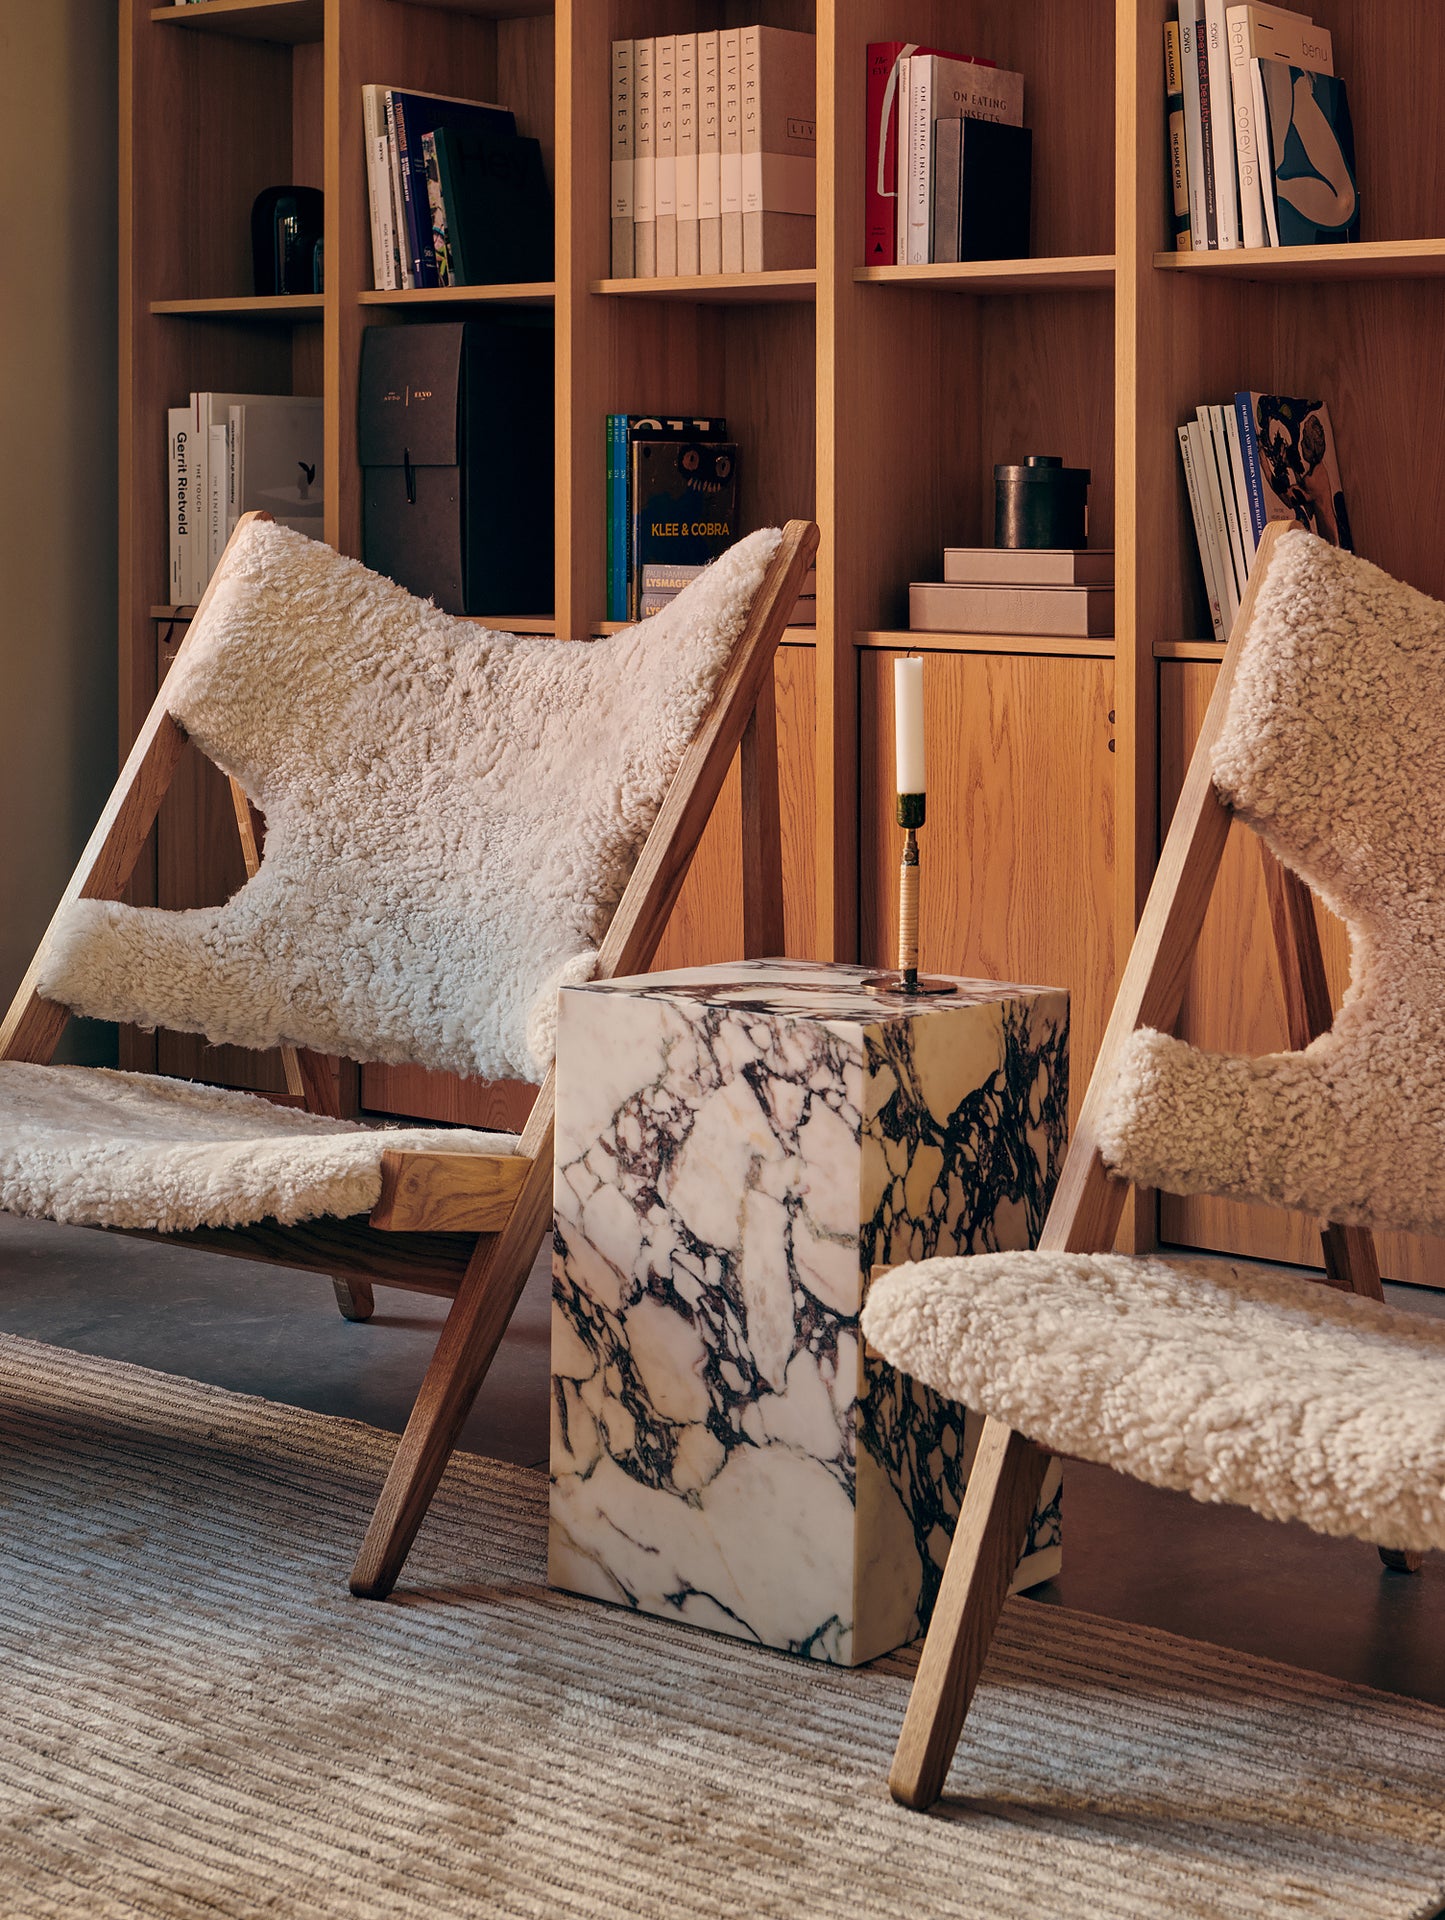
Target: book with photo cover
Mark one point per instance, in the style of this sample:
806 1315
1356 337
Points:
1290 445
684 504
1308 178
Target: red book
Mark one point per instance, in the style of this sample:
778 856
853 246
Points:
880 188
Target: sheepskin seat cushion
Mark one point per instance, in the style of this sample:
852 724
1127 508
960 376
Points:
1233 1385
1333 749
104 1149
452 814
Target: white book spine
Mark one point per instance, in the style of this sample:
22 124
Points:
709 156
1226 186
200 496
1189 29
644 159
920 156
1201 531
374 131
218 467
1206 472
665 191
687 234
731 168
622 254
400 241
1246 145
750 139
235 439
182 504
1241 486
1221 491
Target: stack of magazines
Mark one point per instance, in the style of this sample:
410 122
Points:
1263 457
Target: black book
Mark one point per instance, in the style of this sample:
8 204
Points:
981 190
456 449
498 206
684 504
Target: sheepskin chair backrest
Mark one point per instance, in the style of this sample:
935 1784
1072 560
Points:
452 814
1333 749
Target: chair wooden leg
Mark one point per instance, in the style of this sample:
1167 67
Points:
1003 1490
486 1300
355 1299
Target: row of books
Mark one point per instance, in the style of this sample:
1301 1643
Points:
1263 457
235 453
714 153
458 198
662 584
672 505
1261 145
1062 592
947 156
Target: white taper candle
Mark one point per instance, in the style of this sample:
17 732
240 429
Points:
908 724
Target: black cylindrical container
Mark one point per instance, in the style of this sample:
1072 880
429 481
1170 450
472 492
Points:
1043 503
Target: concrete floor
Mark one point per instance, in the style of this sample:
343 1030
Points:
1130 1552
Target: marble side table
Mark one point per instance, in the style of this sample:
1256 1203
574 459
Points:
737 1147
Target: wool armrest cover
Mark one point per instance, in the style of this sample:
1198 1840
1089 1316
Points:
1333 750
452 814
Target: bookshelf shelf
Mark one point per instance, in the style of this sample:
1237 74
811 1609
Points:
1365 260
519 293
880 414
1011 645
792 636
247 306
292 22
720 289
1069 274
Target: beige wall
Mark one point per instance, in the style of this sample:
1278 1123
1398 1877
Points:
57 451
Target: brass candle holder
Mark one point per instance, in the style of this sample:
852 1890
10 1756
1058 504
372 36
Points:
912 810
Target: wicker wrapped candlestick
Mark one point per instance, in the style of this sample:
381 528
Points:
912 810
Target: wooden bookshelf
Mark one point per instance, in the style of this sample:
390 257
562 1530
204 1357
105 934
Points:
876 399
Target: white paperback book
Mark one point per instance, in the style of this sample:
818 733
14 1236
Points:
184 582
1226 183
1201 533
1213 418
1206 467
664 205
622 255
217 473
687 216
644 158
730 62
378 186
709 156
1191 26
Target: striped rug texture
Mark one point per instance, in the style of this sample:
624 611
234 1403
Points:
196 1719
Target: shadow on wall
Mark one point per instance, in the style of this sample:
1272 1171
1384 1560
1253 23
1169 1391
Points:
58 409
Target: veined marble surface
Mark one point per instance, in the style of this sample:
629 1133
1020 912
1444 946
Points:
737 1147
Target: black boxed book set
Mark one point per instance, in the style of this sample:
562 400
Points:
455 432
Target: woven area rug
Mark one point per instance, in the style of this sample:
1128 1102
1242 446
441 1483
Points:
196 1719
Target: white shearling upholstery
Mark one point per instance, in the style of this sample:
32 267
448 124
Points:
1236 1385
103 1149
452 814
1334 750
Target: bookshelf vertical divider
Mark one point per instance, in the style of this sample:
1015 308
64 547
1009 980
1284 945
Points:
877 402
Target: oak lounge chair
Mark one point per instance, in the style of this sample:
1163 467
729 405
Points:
1326 735
458 822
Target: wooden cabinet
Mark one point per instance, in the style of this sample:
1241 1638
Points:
876 399
1017 873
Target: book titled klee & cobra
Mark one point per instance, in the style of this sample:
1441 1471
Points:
684 504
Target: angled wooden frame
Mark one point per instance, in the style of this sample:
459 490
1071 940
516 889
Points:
1008 1470
467 1226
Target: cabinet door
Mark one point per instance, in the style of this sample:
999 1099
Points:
1234 1003
1017 856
